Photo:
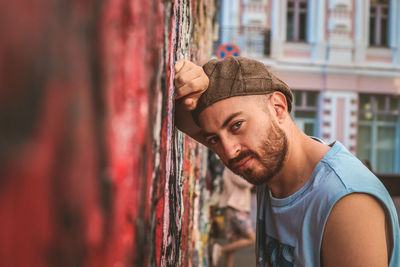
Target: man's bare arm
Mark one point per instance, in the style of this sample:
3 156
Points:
190 84
356 233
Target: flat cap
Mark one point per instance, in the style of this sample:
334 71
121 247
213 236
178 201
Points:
238 76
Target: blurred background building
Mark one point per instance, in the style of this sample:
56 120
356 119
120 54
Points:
341 58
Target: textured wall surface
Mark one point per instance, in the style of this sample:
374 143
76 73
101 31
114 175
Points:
92 170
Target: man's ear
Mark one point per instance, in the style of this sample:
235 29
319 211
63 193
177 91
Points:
279 105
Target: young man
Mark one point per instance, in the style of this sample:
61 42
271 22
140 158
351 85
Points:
317 204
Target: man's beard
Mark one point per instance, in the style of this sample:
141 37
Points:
271 154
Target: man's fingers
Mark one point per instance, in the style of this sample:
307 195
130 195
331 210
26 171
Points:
194 101
183 78
190 102
190 82
179 64
183 65
194 87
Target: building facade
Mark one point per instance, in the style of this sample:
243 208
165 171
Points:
340 57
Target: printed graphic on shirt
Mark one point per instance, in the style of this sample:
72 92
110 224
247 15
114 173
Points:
278 254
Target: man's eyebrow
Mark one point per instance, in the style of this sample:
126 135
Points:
226 122
205 135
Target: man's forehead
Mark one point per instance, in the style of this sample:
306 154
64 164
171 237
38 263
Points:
224 107
222 112
214 118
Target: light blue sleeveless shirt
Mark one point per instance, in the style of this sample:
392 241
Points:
290 230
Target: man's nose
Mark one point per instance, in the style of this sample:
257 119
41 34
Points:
231 148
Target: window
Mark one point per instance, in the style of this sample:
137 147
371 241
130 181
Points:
379 132
296 24
379 23
305 111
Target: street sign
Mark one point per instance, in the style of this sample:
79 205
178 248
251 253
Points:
228 49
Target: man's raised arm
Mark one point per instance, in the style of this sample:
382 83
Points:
190 83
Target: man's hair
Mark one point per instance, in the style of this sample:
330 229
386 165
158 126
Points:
239 76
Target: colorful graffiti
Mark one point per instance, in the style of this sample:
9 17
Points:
92 169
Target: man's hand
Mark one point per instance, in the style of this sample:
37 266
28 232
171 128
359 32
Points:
190 83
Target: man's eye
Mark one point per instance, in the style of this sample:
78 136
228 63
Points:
212 140
236 125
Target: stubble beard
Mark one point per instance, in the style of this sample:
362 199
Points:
271 155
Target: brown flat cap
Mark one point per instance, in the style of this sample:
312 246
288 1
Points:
238 76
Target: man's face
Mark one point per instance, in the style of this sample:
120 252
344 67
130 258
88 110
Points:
246 138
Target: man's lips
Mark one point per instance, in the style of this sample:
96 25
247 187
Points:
242 164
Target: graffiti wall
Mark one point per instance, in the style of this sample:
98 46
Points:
92 169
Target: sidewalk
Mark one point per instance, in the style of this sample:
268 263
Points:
245 256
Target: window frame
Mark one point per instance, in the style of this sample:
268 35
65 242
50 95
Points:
379 39
296 27
301 121
375 124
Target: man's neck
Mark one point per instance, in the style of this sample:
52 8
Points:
304 153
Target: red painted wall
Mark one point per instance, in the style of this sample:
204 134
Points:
92 170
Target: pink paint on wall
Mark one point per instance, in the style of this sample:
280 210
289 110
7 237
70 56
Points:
301 81
341 82
268 13
327 15
340 116
318 82
379 85
296 53
353 19
378 58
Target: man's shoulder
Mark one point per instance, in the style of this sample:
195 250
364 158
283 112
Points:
341 163
342 173
346 223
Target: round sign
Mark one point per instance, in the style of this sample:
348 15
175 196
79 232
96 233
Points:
228 49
